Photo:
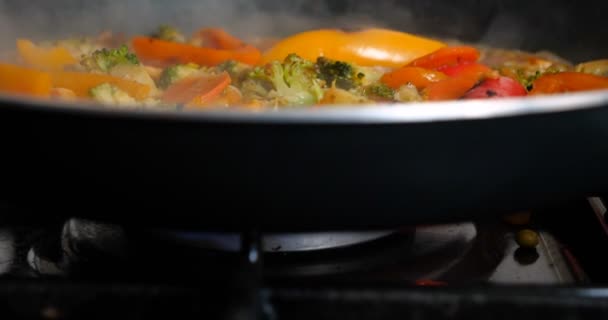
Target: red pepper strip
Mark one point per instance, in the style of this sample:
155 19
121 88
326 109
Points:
568 82
419 77
497 88
455 70
457 86
163 53
448 56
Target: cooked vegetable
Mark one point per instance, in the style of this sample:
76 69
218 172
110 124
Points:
527 239
169 33
24 81
105 59
53 58
371 47
447 57
110 94
408 93
293 82
217 38
79 46
214 68
339 73
457 86
81 83
497 88
235 69
379 90
176 73
568 82
419 77
165 53
597 67
340 96
196 91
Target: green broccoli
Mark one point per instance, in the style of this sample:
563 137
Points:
292 82
528 80
111 95
341 74
379 90
169 33
235 69
175 73
104 59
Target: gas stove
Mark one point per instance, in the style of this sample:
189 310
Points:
85 269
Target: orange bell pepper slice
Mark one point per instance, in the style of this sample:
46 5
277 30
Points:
24 81
370 47
448 56
81 83
457 86
163 53
419 77
52 59
197 91
568 82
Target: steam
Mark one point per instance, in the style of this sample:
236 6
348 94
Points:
41 19
500 23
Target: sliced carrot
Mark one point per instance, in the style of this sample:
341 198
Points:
457 86
18 80
568 82
81 83
447 56
219 39
162 53
53 59
419 77
197 91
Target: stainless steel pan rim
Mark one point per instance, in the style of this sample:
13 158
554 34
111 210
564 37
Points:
347 114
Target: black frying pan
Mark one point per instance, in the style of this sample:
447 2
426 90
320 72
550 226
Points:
342 168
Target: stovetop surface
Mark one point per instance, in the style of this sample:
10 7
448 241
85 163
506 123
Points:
83 269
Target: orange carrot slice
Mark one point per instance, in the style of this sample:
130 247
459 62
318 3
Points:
197 91
18 80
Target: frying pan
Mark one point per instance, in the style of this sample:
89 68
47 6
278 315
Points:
323 169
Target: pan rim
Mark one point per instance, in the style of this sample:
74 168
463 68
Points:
399 113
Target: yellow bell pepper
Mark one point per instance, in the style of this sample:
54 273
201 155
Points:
370 47
53 59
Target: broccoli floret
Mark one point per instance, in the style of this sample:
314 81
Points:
292 82
379 90
111 95
341 74
528 80
169 33
235 69
175 73
104 59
